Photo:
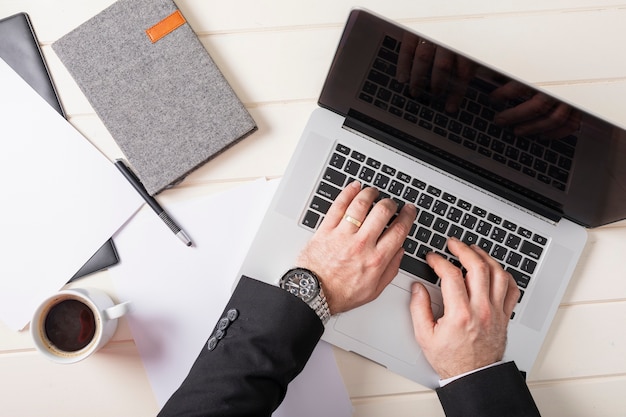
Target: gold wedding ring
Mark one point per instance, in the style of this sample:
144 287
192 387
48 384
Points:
352 220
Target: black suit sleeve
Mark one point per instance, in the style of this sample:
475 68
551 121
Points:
267 344
247 371
496 391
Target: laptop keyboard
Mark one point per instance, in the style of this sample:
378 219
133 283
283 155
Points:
440 215
548 161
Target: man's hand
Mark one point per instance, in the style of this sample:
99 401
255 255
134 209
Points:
472 332
352 253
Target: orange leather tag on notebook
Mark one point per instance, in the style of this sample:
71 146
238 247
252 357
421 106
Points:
166 26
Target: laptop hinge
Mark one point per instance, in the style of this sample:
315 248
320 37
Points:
404 143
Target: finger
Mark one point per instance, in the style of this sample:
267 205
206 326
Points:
499 278
358 209
453 288
421 314
512 297
477 278
397 232
390 271
337 210
378 218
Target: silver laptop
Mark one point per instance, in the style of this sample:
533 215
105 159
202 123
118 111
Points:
525 198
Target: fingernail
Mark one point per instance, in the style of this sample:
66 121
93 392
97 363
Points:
416 288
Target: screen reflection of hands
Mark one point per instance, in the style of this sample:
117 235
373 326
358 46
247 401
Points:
445 75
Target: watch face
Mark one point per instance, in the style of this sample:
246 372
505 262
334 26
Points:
301 284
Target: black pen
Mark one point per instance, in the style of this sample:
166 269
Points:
132 178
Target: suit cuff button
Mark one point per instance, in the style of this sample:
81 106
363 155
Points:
212 343
232 314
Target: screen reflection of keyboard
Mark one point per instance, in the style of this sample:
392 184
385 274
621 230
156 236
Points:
547 160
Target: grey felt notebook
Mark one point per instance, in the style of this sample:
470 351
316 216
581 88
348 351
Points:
155 87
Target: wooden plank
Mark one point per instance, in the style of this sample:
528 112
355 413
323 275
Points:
112 382
600 273
53 19
572 398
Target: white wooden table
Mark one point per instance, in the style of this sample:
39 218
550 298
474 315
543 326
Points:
276 53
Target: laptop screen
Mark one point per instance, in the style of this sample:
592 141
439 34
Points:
470 119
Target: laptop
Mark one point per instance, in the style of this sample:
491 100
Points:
524 196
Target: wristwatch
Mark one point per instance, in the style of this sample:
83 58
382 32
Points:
305 285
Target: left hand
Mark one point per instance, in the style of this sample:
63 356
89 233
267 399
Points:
355 263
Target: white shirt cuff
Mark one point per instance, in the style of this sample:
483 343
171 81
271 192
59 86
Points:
443 382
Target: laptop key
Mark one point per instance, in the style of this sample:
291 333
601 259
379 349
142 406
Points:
513 241
454 214
514 259
520 278
426 218
328 191
335 177
419 269
410 194
319 204
498 234
367 174
423 234
469 221
528 266
337 160
410 246
531 250
343 149
352 167
441 225
470 238
425 201
499 252
485 244
455 231
310 219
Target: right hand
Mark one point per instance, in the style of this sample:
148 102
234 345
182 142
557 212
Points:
472 332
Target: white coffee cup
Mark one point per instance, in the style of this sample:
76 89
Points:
72 324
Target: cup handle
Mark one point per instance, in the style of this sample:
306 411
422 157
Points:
117 311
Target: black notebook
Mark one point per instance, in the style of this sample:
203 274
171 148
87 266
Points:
19 48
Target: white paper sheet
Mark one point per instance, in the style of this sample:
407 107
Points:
178 294
61 199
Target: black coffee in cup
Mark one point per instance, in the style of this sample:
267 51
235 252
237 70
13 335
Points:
70 325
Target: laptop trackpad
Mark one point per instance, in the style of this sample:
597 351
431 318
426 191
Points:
384 324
